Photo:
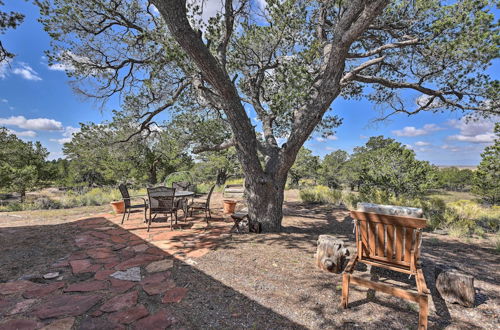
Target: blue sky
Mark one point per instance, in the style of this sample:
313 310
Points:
37 103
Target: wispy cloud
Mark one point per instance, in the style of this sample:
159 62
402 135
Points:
27 72
37 124
422 143
478 131
23 133
413 131
67 135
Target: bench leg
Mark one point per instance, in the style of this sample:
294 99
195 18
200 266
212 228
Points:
424 311
345 290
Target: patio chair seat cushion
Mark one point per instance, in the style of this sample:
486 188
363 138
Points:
137 206
162 209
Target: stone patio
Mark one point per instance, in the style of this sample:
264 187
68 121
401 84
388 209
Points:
116 278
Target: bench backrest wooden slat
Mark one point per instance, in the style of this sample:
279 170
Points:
387 238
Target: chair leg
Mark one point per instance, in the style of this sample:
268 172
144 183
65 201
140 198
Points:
345 289
145 214
124 213
424 311
128 215
150 219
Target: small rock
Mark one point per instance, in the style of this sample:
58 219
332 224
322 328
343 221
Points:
160 266
120 302
22 306
50 276
174 295
129 315
158 287
131 274
190 261
61 324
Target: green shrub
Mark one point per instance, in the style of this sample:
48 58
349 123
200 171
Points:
12 207
45 203
321 194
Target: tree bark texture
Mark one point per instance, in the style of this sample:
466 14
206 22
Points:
455 286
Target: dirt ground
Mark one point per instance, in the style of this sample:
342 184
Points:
269 281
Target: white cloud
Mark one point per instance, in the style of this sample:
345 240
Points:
4 100
477 131
332 137
27 72
413 131
421 143
67 135
37 124
320 139
23 133
423 99
61 67
4 66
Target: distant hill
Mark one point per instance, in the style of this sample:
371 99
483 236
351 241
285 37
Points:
462 167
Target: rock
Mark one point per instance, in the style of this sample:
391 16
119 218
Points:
51 276
103 274
129 315
155 278
61 324
190 261
158 287
17 287
120 302
80 266
137 261
160 266
43 290
22 306
131 274
100 253
20 324
174 295
140 248
100 323
87 286
30 277
331 253
120 286
455 286
66 305
162 319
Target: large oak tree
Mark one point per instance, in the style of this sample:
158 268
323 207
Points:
288 62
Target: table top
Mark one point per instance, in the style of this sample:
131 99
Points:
183 193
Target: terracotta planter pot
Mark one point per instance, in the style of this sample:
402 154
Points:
229 206
118 207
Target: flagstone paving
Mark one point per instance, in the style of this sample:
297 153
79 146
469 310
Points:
119 278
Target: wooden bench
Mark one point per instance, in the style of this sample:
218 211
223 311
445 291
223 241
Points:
391 242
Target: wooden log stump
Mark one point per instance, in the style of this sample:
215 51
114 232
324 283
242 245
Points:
455 286
330 254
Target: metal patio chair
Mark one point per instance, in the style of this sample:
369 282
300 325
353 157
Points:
162 201
127 199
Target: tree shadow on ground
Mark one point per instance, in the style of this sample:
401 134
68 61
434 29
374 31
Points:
208 303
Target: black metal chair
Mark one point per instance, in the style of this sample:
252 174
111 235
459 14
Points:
127 200
162 201
203 205
185 202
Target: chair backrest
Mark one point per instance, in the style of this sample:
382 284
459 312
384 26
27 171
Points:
161 198
390 239
125 195
210 195
181 185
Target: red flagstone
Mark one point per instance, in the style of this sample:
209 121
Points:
118 239
174 295
96 313
66 305
100 253
22 306
138 260
117 247
155 278
17 287
100 323
103 274
43 290
129 315
197 253
20 324
80 266
99 234
162 319
153 288
61 324
140 248
112 260
121 286
87 286
110 265
116 232
156 251
127 254
120 302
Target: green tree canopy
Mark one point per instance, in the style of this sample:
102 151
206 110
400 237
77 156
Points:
21 163
305 167
487 176
332 170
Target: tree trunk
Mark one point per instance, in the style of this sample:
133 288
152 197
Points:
265 201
